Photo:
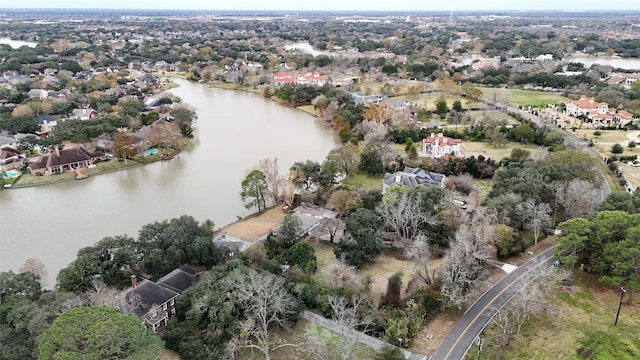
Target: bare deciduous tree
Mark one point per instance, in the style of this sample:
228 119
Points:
403 217
322 344
267 304
36 267
577 197
537 216
269 168
467 259
420 253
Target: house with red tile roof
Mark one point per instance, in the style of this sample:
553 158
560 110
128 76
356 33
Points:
438 145
599 112
309 78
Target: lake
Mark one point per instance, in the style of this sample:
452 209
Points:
15 44
234 131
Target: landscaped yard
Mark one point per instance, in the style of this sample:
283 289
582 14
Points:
606 136
581 328
364 181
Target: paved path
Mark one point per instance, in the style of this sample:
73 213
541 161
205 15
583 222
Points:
478 316
355 335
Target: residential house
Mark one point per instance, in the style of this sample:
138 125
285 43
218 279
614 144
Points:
359 98
312 216
585 106
625 79
11 158
83 114
155 302
283 79
311 78
438 145
39 94
599 112
68 159
47 123
412 178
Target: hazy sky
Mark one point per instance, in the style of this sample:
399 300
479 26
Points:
397 5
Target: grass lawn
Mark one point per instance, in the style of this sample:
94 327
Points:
387 264
581 328
364 181
485 188
488 150
310 109
608 136
633 174
527 97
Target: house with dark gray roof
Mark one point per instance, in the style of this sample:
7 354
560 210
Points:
155 302
412 178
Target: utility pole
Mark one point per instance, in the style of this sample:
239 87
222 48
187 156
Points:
622 291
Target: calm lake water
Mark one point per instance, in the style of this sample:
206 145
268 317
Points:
234 131
15 44
628 63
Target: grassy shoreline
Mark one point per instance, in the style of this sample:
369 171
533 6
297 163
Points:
27 180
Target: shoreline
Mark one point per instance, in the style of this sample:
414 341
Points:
17 185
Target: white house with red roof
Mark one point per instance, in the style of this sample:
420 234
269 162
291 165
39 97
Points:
438 145
283 78
599 112
309 78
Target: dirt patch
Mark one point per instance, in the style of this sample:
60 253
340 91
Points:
256 226
167 354
433 333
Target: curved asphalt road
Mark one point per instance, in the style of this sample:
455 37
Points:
477 317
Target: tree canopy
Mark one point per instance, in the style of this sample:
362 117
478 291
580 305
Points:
98 332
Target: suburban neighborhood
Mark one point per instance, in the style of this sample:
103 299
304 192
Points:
477 198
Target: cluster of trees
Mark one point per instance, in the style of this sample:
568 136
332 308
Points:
605 244
160 248
35 323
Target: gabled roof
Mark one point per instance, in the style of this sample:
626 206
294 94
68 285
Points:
149 294
178 280
413 177
40 119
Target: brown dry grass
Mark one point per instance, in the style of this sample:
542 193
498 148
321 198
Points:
255 226
167 354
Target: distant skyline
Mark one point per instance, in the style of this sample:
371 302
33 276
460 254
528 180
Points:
337 5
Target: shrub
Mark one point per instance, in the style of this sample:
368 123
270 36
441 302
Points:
632 144
617 149
394 289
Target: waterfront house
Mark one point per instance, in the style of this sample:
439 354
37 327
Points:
155 302
68 159
11 158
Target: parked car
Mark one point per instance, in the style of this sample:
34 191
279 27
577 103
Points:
460 203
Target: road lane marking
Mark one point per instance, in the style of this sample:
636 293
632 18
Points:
490 303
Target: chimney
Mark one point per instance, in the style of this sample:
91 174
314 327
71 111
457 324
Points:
433 135
398 178
134 281
56 152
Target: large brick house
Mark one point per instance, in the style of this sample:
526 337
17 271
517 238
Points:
155 302
68 159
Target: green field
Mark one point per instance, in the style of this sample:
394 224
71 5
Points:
527 97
